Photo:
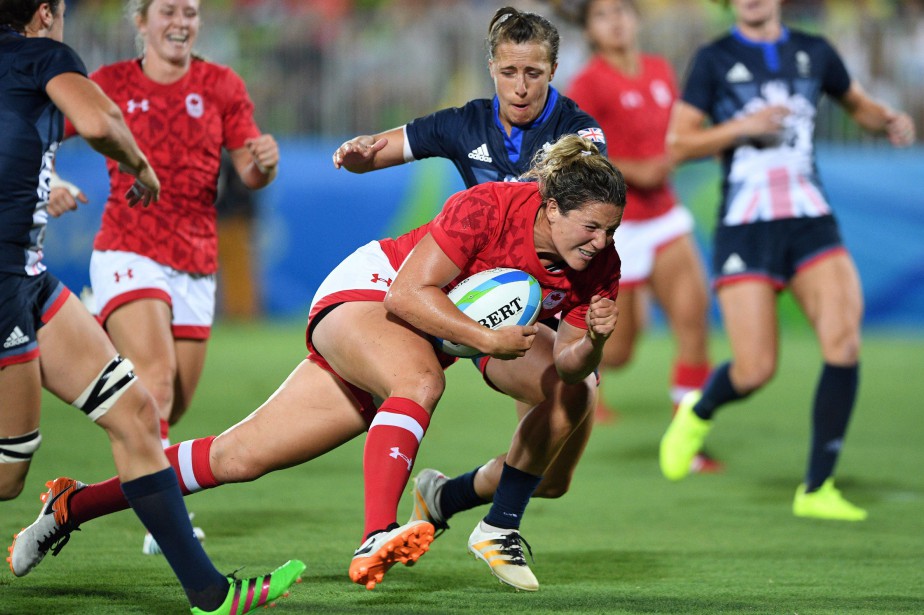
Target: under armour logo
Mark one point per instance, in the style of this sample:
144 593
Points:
118 276
376 279
396 453
133 104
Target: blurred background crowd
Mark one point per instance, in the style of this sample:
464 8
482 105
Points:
343 67
322 71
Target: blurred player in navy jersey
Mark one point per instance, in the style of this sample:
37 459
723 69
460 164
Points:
631 94
759 87
490 140
373 362
51 341
153 276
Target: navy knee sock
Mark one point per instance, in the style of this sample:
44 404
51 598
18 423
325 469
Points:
834 401
458 494
511 498
158 502
717 392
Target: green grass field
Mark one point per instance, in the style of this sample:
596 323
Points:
624 540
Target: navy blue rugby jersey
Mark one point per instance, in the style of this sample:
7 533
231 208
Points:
473 138
32 128
734 76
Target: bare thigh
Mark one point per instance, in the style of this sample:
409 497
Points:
311 413
142 331
380 353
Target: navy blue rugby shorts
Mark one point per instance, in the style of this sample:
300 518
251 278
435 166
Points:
772 251
26 303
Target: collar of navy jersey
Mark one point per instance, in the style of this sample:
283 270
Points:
514 142
770 49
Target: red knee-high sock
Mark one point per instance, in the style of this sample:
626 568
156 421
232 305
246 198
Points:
190 461
388 457
686 378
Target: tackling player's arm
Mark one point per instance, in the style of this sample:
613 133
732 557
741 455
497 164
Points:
578 351
371 152
98 120
416 296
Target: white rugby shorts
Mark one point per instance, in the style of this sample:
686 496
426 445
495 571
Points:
364 275
120 277
638 242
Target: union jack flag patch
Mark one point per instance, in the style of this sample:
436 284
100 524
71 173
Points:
594 134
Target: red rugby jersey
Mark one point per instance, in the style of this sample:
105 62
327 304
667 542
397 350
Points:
634 112
491 225
181 128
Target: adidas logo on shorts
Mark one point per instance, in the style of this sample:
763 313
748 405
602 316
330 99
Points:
480 153
734 264
15 338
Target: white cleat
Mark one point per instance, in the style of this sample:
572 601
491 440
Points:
501 550
49 532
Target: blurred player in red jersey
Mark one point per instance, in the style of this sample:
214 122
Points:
366 314
631 94
153 274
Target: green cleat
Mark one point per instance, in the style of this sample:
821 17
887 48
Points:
826 502
683 439
245 595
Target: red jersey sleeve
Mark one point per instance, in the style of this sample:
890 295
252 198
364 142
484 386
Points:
237 111
466 224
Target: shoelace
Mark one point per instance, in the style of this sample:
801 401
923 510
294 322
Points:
511 546
55 541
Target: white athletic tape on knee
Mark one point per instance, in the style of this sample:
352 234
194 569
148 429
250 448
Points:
19 448
106 389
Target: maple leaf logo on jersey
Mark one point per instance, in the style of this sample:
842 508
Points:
594 134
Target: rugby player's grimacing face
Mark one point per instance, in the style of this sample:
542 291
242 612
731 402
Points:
522 74
169 29
584 232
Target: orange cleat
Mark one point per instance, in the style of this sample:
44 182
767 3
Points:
404 544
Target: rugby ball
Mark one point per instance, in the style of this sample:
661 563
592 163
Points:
495 298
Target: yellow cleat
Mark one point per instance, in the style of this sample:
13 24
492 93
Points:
826 502
683 439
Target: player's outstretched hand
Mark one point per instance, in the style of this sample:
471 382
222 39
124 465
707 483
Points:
358 151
